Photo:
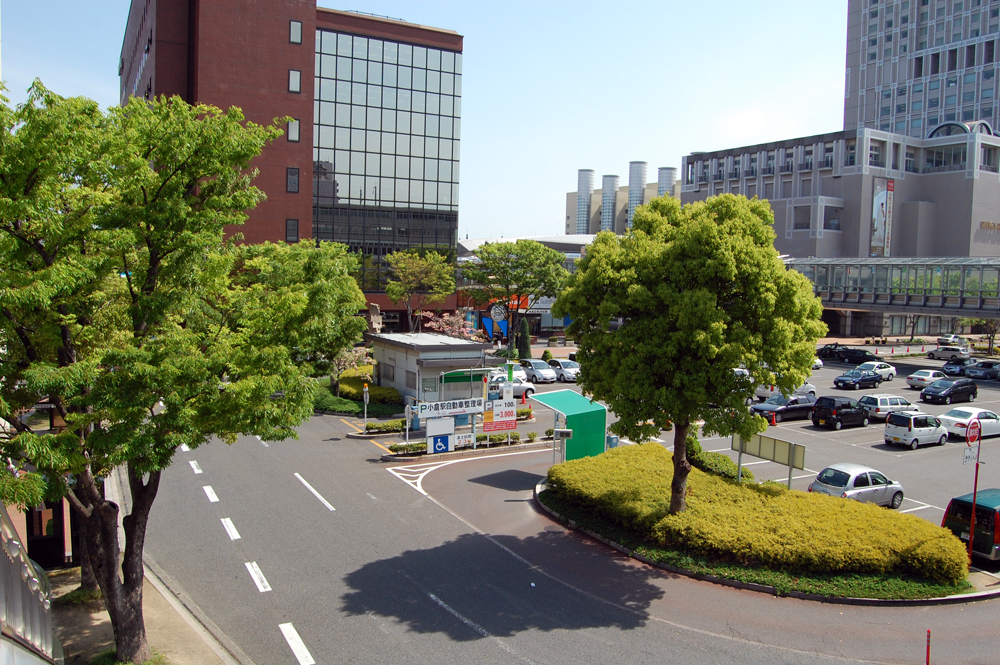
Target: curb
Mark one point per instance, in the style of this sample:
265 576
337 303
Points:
763 588
469 452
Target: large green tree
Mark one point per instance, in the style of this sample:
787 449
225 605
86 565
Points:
123 306
664 313
516 274
419 279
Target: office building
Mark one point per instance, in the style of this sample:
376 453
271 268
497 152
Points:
371 155
611 208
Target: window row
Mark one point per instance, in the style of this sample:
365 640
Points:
395 76
383 120
414 168
388 52
384 143
361 94
935 102
394 192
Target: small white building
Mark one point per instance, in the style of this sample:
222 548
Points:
415 364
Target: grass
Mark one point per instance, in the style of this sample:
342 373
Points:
885 586
78 596
108 658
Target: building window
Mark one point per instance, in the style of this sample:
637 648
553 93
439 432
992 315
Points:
291 230
388 372
295 32
294 80
292 180
293 131
411 380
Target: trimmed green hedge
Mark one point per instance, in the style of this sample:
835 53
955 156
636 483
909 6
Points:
408 447
324 400
497 438
386 425
352 388
717 463
758 526
524 414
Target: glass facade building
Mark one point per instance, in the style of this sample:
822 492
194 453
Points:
609 196
636 185
386 145
584 190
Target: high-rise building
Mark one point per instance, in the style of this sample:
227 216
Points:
636 186
584 190
609 200
913 65
611 208
371 155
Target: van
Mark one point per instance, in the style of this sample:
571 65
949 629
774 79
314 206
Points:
880 405
958 517
914 429
836 412
947 352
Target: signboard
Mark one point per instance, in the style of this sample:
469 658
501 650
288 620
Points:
776 450
881 226
973 432
971 454
440 444
463 440
454 407
501 416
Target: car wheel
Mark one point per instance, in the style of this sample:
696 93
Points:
561 378
777 418
947 400
878 383
864 423
891 377
972 397
931 355
837 424
943 439
897 500
855 386
914 444
815 423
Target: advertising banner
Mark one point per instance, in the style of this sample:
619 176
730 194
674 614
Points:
500 416
881 226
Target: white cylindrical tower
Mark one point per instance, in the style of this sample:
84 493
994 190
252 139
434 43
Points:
666 176
636 184
584 190
609 200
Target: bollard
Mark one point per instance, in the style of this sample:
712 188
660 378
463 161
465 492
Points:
876 350
774 420
928 659
907 349
892 350
922 349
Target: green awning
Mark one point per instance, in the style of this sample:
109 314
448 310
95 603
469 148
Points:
567 402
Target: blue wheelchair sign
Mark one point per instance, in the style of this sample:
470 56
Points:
440 444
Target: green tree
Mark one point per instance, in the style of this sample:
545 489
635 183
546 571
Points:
523 340
516 274
988 327
419 279
697 292
121 302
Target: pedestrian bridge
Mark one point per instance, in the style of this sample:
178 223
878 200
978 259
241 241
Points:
965 287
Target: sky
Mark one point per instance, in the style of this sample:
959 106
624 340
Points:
549 86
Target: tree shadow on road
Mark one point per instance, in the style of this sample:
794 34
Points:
511 480
477 586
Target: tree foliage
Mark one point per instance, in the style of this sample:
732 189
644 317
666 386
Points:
987 327
515 273
419 279
698 291
123 305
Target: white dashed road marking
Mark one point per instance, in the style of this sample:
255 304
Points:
258 577
262 441
296 644
195 467
184 448
212 498
227 524
315 493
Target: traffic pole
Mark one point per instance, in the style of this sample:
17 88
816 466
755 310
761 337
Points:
927 661
975 486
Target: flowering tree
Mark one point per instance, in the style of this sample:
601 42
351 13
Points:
352 358
453 325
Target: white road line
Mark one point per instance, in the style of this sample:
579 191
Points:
763 461
910 510
315 493
195 467
184 448
475 626
258 577
262 441
413 474
212 497
227 524
296 644
722 450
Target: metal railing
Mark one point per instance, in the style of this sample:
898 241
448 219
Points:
987 167
827 162
703 178
750 172
768 170
787 167
734 174
806 165
25 593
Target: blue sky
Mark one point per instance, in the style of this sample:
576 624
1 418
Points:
548 87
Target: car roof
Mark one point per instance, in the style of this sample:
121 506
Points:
911 413
989 498
848 467
883 395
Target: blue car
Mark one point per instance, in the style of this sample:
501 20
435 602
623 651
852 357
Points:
858 378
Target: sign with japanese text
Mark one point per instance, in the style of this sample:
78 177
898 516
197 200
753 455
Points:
453 407
501 416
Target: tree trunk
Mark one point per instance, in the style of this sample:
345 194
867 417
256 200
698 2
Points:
122 595
88 580
678 486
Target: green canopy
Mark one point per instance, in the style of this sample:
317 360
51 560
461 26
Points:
587 419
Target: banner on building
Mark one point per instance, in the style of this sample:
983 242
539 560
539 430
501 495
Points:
881 227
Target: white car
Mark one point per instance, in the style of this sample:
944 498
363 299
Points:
767 392
924 377
880 405
885 370
817 363
957 421
519 372
914 429
566 370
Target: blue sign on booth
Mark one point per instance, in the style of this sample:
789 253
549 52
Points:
440 444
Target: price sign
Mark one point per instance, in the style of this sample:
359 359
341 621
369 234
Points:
972 433
501 415
971 454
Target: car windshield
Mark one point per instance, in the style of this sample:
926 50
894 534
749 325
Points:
868 399
854 373
570 364
958 413
833 477
777 399
942 383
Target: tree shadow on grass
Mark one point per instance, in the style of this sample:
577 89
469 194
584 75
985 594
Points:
470 587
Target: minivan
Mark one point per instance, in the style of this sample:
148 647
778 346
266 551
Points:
880 405
836 412
914 429
950 390
958 517
947 352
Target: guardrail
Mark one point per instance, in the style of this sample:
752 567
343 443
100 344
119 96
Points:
24 597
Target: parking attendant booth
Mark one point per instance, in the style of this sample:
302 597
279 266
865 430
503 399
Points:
587 419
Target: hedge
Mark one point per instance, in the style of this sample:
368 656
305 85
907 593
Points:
524 414
717 463
386 426
407 447
761 526
352 388
324 400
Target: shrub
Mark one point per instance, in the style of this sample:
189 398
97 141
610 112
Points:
482 438
407 447
522 340
549 432
757 526
502 438
546 355
532 436
386 426
717 463
352 388
524 414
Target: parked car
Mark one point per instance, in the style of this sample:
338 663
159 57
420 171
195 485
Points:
858 378
861 483
924 377
914 429
796 407
538 371
566 370
817 363
958 518
519 372
880 405
957 421
984 369
857 356
957 366
948 352
836 412
521 388
883 369
950 390
767 392
952 340
831 351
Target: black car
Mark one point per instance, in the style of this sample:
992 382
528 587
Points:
957 366
857 356
950 390
858 378
830 351
836 412
785 408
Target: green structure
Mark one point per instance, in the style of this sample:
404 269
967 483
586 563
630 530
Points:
587 419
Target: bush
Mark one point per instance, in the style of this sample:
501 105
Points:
387 426
481 438
523 340
502 438
408 447
549 432
352 388
717 463
757 526
546 355
324 400
532 436
524 414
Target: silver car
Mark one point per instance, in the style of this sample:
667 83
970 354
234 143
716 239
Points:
538 371
566 370
861 483
521 388
984 369
880 405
